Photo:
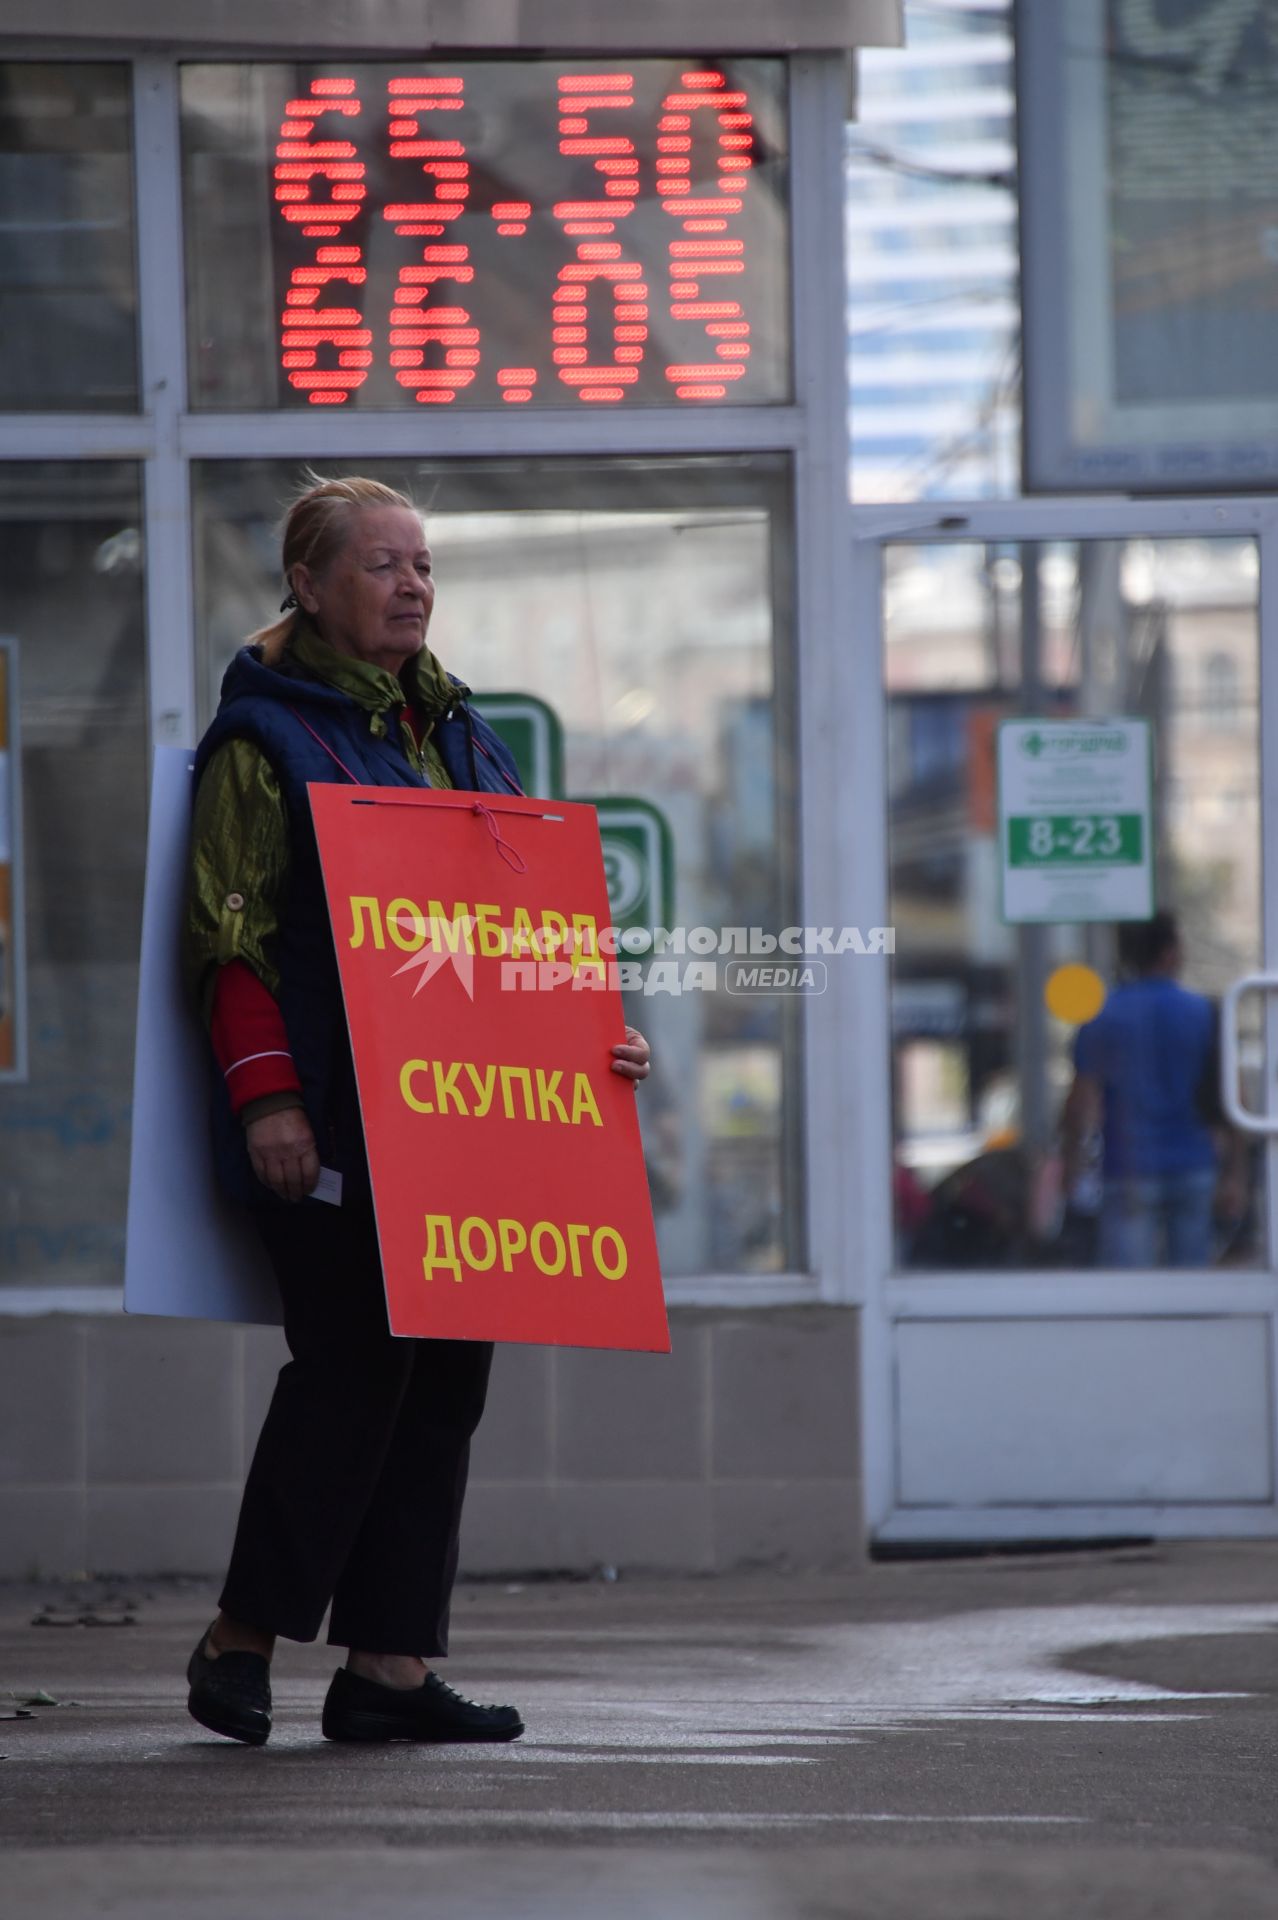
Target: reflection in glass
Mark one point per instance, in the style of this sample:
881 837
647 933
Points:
1160 630
71 590
648 603
933 312
68 295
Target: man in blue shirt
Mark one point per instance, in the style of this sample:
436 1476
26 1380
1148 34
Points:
1145 1074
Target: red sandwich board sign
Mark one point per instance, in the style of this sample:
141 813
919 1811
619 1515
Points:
507 1170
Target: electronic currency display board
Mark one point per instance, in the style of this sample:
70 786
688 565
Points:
498 234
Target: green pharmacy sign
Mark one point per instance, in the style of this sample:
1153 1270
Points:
1075 820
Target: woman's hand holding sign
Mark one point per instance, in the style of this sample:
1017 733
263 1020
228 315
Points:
632 1057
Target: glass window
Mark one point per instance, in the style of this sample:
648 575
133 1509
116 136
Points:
71 600
1149 181
486 234
68 292
1056 1080
648 603
952 185
1221 700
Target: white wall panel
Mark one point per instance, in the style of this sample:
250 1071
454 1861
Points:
1072 1411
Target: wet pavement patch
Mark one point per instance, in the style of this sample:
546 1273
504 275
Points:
1242 1663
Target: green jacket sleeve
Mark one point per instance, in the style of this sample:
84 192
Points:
238 871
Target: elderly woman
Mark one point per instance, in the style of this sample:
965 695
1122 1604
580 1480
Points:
355 1493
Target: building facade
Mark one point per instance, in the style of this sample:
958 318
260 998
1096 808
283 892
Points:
635 496
581 288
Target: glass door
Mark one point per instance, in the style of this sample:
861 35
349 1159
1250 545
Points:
1058 970
1070 1331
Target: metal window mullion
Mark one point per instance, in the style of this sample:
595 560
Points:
317 434
863 850
1081 1294
818 296
1098 518
710 1289
1268 749
863 827
74 436
170 614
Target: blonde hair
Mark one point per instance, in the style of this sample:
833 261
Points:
316 528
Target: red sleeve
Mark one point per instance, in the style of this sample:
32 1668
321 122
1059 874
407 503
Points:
249 1037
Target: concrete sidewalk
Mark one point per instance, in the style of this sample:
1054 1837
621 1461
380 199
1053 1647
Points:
1076 1735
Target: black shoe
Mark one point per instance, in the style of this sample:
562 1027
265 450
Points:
358 1709
231 1695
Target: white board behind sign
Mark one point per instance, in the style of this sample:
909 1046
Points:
189 1252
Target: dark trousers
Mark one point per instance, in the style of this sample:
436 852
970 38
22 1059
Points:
356 1488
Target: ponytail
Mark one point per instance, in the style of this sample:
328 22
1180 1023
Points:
274 640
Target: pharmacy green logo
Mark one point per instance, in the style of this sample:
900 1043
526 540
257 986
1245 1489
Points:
1081 745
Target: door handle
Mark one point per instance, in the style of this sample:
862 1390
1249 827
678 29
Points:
1241 1116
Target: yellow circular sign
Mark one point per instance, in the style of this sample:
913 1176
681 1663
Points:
1074 993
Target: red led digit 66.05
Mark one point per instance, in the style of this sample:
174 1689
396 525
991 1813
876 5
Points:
435 342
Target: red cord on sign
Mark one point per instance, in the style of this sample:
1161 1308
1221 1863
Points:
514 860
352 777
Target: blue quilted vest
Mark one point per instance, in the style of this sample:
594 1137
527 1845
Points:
277 712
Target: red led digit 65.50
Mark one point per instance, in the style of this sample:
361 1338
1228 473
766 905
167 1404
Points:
435 342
